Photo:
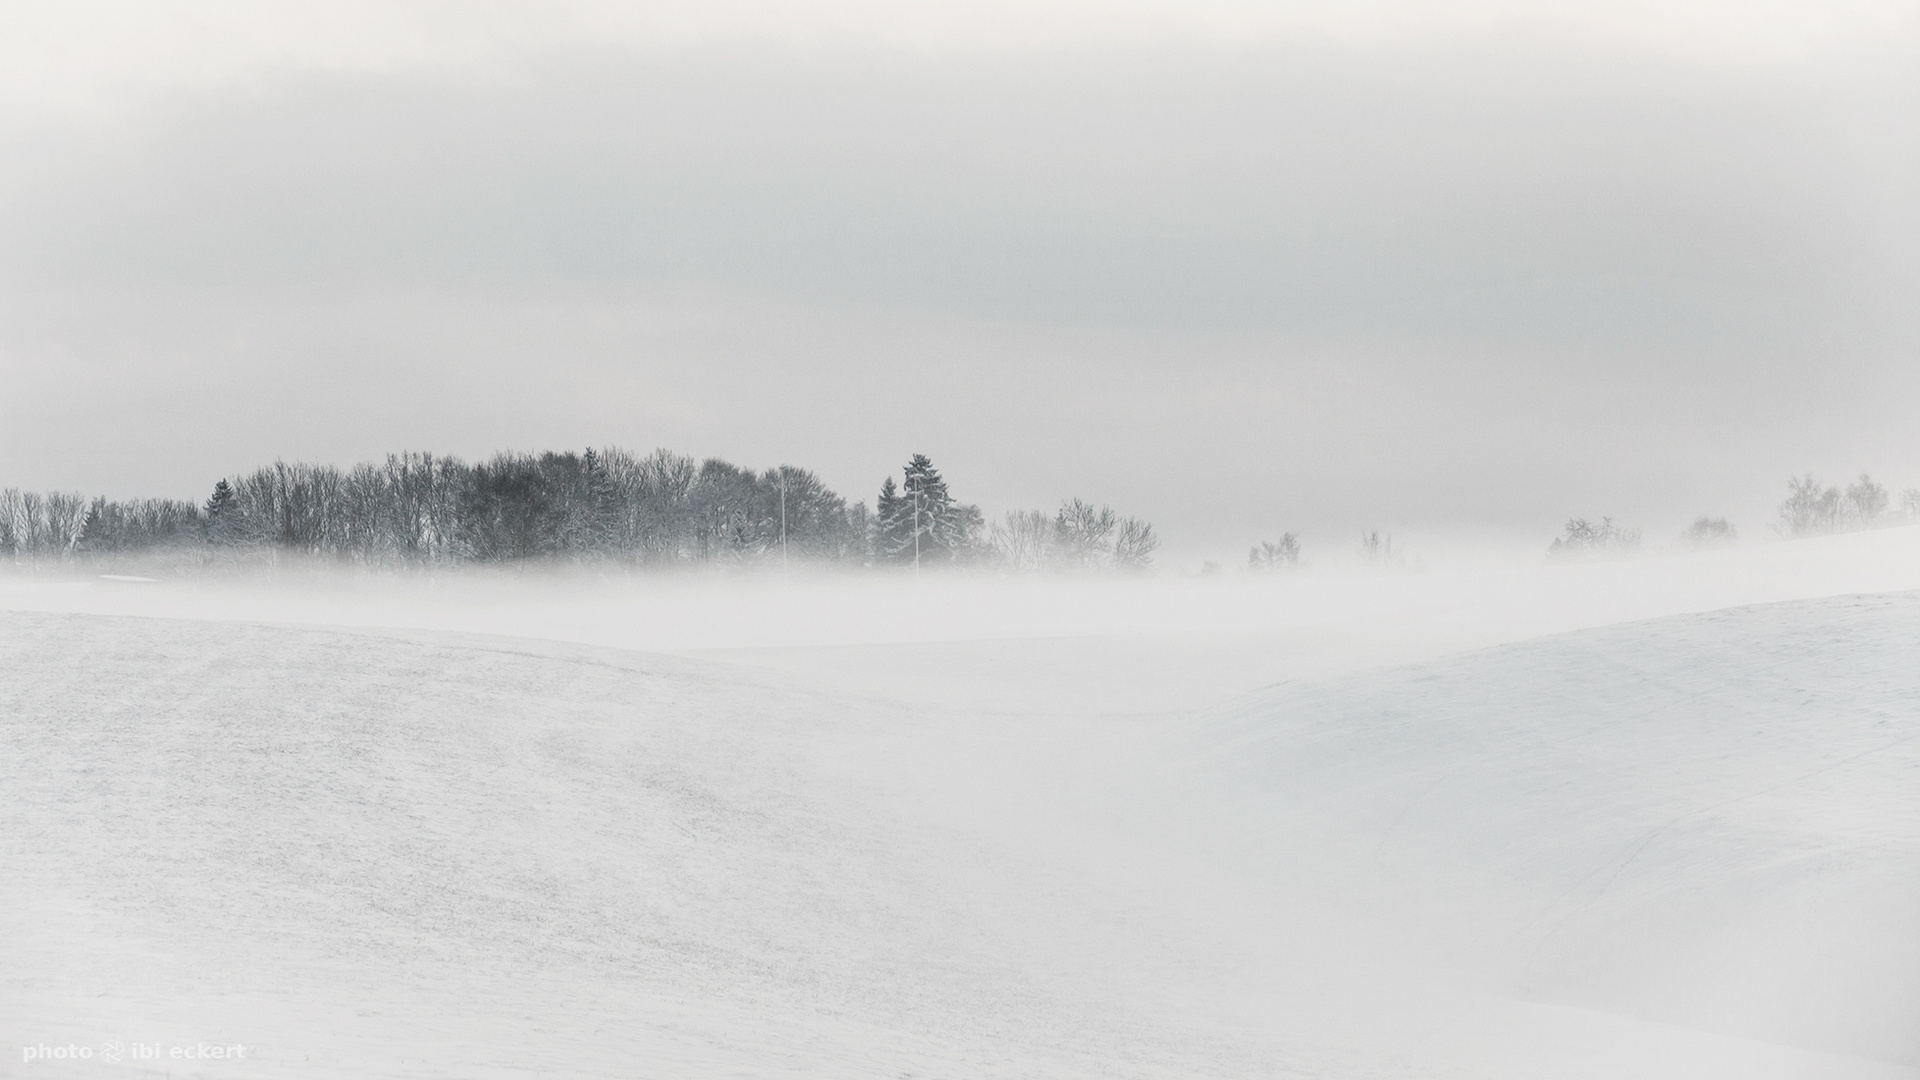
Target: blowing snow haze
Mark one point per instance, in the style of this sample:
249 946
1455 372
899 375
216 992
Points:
964 539
1239 269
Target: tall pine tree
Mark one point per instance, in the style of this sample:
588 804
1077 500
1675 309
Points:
920 523
223 514
892 525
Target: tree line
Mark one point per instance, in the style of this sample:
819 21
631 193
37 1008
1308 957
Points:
600 506
1811 508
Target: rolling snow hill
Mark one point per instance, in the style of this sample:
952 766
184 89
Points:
1684 847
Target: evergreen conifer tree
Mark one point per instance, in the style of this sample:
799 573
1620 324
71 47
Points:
96 534
223 514
892 525
604 506
930 509
920 521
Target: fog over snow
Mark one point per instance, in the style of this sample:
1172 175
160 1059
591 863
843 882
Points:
1457 824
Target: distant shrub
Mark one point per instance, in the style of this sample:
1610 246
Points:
1281 554
1706 532
1377 550
1584 537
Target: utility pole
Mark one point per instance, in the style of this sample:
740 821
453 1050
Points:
916 532
784 566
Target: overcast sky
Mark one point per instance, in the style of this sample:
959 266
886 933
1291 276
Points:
1238 268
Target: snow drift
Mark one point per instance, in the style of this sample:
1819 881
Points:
1684 847
1712 821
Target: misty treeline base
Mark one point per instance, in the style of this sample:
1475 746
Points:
601 506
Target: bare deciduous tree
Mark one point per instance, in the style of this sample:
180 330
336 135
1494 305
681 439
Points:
1083 535
1133 549
37 527
1865 501
1022 540
1810 508
1281 554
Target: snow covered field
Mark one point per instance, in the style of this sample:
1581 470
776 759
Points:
1645 819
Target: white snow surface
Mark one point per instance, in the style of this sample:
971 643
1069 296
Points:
1647 819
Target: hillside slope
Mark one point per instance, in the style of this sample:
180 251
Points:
1712 821
1686 847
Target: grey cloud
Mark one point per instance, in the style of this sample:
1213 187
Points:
1466 196
1379 288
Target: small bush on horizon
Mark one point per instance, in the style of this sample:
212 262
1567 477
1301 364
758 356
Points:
1708 532
1281 554
1584 537
1376 550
